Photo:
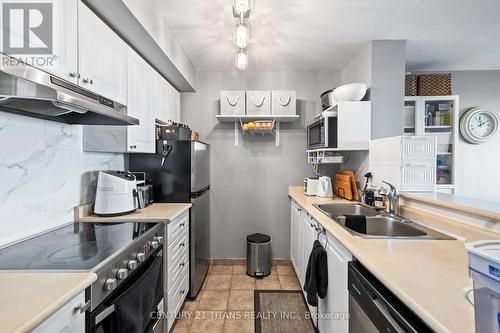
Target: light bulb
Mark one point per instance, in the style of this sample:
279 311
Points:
241 60
241 8
241 35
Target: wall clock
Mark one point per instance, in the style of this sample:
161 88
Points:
479 125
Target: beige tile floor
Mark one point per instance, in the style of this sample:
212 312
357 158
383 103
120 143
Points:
226 299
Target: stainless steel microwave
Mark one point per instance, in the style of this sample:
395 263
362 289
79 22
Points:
323 133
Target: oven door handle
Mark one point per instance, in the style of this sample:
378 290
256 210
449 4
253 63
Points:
104 314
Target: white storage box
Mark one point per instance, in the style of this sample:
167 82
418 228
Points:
232 102
283 102
484 268
407 162
258 103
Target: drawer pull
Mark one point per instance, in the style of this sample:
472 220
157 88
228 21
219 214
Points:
183 224
182 291
182 264
82 307
182 244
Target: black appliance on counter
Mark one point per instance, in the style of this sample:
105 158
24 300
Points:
180 173
127 259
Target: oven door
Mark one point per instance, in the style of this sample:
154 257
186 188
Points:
136 305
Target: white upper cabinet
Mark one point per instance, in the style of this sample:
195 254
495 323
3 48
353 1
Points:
140 104
102 57
63 60
176 109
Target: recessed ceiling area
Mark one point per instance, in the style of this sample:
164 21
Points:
325 34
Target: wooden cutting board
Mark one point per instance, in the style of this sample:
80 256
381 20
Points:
354 186
342 186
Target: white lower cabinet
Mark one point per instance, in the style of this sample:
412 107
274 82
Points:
332 310
295 235
178 266
66 319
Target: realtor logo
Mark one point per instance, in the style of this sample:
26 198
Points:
27 28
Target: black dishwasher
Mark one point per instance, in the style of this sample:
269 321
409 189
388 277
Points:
373 308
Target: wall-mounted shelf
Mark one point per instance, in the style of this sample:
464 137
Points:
245 118
324 156
239 120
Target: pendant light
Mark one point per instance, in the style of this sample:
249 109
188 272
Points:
241 35
241 60
241 8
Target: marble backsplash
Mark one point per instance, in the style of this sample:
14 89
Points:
44 174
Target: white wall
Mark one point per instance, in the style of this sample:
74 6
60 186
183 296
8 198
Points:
478 164
249 183
44 174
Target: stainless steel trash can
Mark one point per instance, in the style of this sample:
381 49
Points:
258 255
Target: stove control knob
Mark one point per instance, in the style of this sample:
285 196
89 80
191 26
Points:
110 284
155 244
132 264
140 256
159 239
122 274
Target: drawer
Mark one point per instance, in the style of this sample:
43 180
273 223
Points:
177 296
176 269
177 226
176 247
66 319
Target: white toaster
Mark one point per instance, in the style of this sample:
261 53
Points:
310 186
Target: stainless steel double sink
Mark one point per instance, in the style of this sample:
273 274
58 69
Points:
378 224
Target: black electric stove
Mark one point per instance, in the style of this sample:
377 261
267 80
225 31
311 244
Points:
74 247
113 252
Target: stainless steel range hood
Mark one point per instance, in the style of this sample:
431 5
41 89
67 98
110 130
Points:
32 92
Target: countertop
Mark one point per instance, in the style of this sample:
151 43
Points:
30 298
473 206
155 213
427 275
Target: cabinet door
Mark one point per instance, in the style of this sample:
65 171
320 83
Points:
140 138
163 95
63 60
294 235
102 57
66 319
336 302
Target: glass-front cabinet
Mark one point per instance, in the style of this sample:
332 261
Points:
436 116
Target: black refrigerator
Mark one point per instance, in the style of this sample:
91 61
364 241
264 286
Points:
180 172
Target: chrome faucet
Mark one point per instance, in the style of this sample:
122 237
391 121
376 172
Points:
392 195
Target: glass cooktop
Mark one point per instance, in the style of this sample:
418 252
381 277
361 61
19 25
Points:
74 247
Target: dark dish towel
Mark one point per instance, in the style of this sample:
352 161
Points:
317 274
356 223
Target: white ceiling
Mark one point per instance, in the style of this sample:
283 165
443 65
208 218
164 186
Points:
303 35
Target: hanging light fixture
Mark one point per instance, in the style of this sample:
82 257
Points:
241 11
241 60
241 35
241 8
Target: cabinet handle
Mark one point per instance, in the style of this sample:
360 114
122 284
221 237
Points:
74 74
183 224
182 264
89 81
133 147
182 291
182 244
82 307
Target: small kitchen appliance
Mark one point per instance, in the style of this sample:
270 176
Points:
324 189
310 186
323 132
328 100
116 193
